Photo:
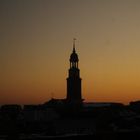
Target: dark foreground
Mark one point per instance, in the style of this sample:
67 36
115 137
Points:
97 136
113 122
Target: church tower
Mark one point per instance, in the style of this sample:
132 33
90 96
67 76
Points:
74 81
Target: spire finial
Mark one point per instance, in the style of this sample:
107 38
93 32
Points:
74 44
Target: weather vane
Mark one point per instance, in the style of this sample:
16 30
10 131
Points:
74 40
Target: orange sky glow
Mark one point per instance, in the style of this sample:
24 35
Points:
36 43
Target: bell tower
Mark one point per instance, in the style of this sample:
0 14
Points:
74 81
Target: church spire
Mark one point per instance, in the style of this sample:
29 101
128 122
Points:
74 39
74 96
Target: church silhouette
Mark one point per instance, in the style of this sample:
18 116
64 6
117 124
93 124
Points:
74 95
74 89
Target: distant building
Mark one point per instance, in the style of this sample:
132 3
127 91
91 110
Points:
135 105
102 104
39 113
11 112
11 108
55 103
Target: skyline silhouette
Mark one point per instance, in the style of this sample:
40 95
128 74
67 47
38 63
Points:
45 93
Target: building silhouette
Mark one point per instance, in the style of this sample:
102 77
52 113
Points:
68 116
74 95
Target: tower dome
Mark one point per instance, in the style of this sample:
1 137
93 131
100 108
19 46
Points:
74 56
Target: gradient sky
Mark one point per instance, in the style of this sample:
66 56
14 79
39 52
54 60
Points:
36 42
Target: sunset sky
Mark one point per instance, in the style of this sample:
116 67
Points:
36 43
